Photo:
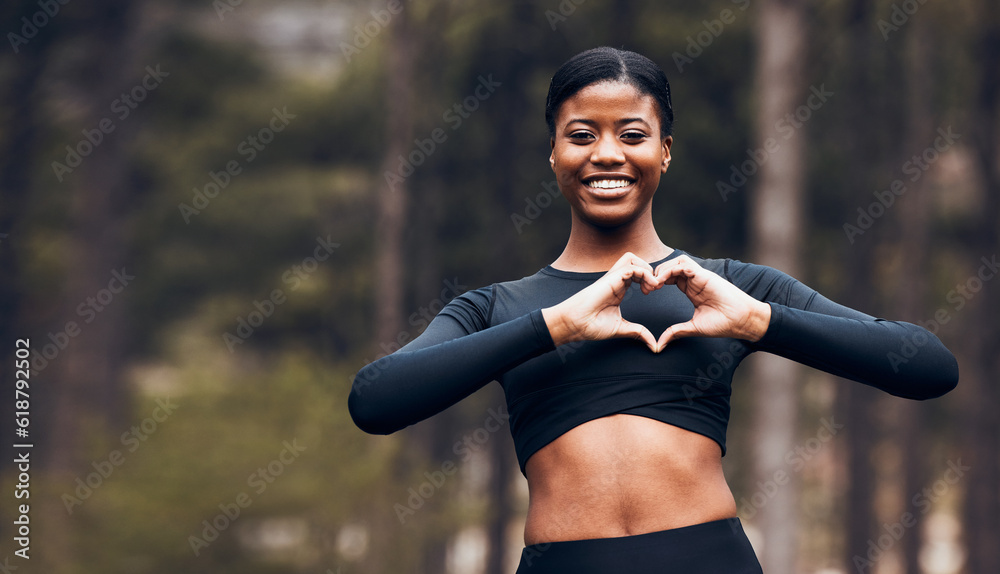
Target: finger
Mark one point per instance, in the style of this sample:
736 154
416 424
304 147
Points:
669 270
631 259
677 331
648 282
683 262
637 331
678 276
643 275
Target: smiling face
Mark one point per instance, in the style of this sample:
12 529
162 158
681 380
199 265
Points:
608 153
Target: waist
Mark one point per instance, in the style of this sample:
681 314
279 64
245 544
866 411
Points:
709 548
623 475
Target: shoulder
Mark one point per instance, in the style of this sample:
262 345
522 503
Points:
760 281
475 309
472 308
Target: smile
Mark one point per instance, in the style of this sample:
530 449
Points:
608 183
609 187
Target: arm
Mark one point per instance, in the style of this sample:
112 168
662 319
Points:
442 366
459 352
800 324
899 358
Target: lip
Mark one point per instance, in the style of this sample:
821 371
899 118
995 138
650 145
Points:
612 193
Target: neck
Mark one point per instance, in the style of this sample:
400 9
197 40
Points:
592 248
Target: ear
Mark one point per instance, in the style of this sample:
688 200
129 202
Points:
552 156
667 142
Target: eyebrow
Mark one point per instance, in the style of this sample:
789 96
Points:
620 122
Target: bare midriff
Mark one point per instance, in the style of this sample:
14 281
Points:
623 475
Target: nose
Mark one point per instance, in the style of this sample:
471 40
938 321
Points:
607 151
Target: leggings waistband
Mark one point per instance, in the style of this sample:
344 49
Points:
714 547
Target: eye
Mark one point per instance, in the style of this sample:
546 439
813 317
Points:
633 136
581 136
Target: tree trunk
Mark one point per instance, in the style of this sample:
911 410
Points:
776 227
911 283
513 47
855 401
18 145
391 279
981 429
89 398
393 197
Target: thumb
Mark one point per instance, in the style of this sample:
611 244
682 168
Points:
637 331
677 331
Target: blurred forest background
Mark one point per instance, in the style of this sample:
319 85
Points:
213 213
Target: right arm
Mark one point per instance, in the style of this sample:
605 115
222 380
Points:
442 366
450 361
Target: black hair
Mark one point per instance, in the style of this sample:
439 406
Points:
609 64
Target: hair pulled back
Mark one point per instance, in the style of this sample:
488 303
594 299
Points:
609 64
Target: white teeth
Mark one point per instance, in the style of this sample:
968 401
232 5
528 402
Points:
608 183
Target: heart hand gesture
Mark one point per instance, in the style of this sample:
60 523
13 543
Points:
721 308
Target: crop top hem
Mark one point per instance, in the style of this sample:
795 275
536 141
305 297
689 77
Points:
699 389
634 411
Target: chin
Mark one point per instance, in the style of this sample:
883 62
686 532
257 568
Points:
610 218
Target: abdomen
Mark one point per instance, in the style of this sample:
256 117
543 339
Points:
622 475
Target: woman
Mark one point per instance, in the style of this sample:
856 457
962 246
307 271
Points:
621 433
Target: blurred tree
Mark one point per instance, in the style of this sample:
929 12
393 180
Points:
88 397
20 140
861 155
912 279
392 281
776 236
508 50
980 425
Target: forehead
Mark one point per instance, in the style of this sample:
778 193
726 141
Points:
609 101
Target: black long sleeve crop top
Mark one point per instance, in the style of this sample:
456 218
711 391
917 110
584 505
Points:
497 332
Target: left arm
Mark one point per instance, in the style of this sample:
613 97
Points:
793 321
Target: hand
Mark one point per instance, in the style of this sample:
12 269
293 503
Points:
720 308
594 314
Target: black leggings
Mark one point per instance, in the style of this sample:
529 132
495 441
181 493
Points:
719 547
